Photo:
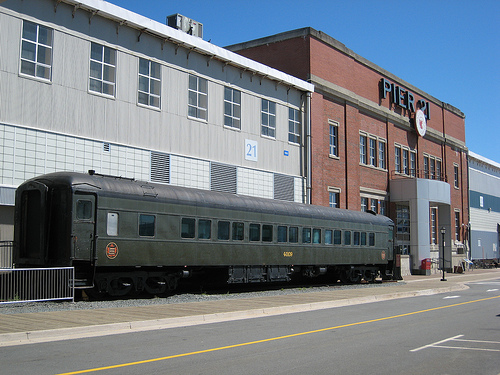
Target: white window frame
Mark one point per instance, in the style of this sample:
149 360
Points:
198 97
149 84
334 192
381 154
294 126
333 138
268 118
404 158
432 167
36 60
105 68
362 149
456 175
232 108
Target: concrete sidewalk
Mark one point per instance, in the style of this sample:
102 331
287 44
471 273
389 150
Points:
25 328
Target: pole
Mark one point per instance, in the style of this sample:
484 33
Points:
443 231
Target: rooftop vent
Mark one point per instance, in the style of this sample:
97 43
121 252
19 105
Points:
189 26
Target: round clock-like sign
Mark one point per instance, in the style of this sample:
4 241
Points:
420 122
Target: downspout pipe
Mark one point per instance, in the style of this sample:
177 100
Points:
308 149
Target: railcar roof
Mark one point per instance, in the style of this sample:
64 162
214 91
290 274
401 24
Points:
108 185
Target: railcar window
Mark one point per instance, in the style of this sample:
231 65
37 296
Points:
337 237
316 235
112 224
254 233
306 235
204 229
293 234
282 233
356 239
371 239
267 233
146 225
363 238
347 237
223 230
328 237
187 227
238 231
83 210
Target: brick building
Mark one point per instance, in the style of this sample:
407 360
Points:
367 153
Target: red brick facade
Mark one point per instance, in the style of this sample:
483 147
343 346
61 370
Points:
349 94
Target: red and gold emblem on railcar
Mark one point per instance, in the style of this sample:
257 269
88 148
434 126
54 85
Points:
111 250
383 254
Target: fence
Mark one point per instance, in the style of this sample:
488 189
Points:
6 248
36 284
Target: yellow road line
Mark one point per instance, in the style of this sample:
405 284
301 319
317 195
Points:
272 338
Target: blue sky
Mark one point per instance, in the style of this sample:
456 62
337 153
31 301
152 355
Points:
447 48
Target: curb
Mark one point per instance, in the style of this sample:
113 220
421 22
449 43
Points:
35 337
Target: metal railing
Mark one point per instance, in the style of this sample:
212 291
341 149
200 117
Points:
418 173
36 284
6 248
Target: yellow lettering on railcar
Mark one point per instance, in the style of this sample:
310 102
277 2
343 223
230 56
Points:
288 253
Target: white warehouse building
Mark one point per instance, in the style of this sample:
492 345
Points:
89 85
484 198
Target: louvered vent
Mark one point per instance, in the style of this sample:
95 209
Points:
283 187
223 178
160 167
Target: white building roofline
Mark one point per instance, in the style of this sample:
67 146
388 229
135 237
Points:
484 160
147 25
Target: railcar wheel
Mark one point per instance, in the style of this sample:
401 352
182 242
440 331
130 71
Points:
369 276
355 276
121 286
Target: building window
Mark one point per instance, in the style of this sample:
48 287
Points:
382 208
364 204
232 108
362 149
402 219
102 69
334 139
334 198
405 160
149 83
381 154
455 172
433 225
373 151
268 118
413 164
36 51
198 97
293 125
432 167
397 159
374 205
457 226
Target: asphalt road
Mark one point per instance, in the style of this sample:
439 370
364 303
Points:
454 333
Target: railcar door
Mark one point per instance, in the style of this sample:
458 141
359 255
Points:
84 220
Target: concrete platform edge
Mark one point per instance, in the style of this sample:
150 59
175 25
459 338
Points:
35 337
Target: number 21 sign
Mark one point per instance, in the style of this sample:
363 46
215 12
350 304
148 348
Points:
250 150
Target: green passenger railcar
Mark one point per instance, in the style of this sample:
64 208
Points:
124 236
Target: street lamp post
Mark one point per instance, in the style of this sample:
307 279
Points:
443 231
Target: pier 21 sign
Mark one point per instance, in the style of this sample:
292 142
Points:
404 99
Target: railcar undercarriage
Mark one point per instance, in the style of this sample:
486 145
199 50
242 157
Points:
131 282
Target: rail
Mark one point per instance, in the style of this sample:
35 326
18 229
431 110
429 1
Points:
36 284
6 248
418 173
